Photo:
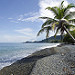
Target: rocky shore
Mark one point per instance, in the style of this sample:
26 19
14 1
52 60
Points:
50 61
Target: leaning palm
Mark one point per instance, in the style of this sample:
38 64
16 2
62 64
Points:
63 19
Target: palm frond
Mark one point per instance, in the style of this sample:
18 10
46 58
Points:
61 6
45 18
69 7
62 3
69 15
60 13
71 27
48 28
49 22
66 9
42 30
53 9
72 21
47 31
53 26
56 31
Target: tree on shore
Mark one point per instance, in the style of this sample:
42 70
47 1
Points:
63 19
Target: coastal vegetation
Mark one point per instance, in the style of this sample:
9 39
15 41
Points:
63 20
51 39
67 38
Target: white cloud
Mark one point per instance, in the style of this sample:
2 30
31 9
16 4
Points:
14 38
20 17
32 19
19 38
14 21
32 16
10 18
72 9
46 3
26 34
25 31
43 4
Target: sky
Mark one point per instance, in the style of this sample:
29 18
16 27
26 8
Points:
19 19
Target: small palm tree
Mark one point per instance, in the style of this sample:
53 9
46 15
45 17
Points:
62 21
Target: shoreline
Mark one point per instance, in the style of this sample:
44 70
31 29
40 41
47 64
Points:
32 58
44 47
56 44
25 65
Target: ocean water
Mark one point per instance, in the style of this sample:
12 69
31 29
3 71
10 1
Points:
11 52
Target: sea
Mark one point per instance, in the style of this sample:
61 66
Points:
11 52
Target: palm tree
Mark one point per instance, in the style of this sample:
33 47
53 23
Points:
63 20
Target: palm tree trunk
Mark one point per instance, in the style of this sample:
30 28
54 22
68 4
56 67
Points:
69 34
61 36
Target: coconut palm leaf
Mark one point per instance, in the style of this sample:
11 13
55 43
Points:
60 13
48 18
61 4
72 21
66 9
45 17
54 25
70 27
57 30
42 30
48 22
69 15
53 9
47 29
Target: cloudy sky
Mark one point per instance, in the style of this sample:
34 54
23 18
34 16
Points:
19 19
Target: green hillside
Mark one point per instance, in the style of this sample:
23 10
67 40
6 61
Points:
48 40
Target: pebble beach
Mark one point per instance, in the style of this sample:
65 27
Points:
58 60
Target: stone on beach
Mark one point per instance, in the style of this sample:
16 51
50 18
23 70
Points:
49 61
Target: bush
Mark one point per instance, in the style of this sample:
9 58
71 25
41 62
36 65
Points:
67 38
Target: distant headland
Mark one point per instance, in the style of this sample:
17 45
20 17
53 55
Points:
51 39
